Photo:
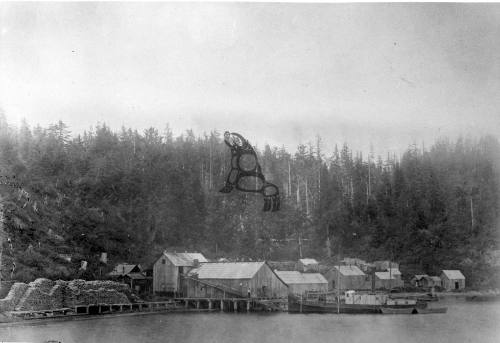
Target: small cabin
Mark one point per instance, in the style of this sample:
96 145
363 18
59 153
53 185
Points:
132 275
170 266
452 280
299 283
347 277
307 265
230 279
419 280
387 280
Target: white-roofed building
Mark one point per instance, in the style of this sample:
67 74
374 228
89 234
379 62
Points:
298 282
226 279
452 280
170 266
307 265
347 277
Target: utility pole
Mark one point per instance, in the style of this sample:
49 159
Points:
471 215
338 277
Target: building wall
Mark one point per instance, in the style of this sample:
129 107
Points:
449 284
165 276
265 283
388 284
299 288
307 268
354 282
202 289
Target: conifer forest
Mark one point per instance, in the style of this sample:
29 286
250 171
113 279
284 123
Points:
133 194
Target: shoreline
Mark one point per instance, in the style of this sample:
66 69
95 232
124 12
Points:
77 317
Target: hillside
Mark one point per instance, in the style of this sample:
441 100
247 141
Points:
132 194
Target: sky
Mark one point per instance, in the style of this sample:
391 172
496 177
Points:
379 75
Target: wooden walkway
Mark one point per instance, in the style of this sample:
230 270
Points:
174 304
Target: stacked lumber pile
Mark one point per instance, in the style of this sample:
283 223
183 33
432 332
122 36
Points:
81 292
42 294
45 294
12 299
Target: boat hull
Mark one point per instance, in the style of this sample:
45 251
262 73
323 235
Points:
407 310
296 305
432 310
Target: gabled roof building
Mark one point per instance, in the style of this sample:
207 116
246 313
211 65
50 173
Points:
298 282
307 264
239 279
170 266
347 278
452 280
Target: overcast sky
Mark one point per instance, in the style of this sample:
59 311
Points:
386 74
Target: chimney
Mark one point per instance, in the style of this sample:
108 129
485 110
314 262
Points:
196 263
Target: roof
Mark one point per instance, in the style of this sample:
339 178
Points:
349 270
435 278
394 271
123 269
306 261
184 259
294 277
385 276
453 274
282 265
420 276
227 270
136 276
353 260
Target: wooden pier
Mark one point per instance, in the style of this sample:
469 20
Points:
171 305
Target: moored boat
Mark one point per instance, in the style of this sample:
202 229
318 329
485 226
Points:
312 302
432 310
391 310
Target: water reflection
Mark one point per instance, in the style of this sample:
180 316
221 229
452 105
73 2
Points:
464 322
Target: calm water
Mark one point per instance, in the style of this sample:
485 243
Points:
464 322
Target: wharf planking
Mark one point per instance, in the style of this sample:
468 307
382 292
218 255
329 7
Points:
171 305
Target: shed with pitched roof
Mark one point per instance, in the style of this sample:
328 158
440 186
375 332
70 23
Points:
170 266
452 280
307 264
234 279
347 278
298 282
388 280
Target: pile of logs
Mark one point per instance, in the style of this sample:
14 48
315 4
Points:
15 294
44 294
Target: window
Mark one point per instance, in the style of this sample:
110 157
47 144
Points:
163 261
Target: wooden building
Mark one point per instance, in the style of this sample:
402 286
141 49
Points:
366 267
434 281
132 275
385 265
387 280
452 280
298 282
307 265
169 268
349 278
230 279
419 280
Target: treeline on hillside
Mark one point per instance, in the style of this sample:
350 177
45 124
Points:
132 194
